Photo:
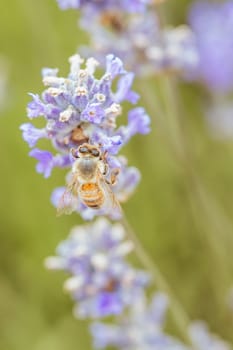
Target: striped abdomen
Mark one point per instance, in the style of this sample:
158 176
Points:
91 195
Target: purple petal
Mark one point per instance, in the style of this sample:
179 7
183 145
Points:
36 107
128 180
45 161
110 144
114 66
62 160
108 304
31 134
139 121
124 91
93 114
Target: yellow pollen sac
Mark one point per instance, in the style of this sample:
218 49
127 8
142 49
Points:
89 187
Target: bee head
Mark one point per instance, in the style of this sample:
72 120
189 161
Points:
87 150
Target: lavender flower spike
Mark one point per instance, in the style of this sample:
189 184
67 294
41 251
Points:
102 283
81 108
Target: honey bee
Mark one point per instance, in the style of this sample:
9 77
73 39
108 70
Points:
89 183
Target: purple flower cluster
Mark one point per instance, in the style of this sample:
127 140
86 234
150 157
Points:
102 282
142 44
81 108
142 328
212 24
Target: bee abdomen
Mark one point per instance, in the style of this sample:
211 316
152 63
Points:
92 195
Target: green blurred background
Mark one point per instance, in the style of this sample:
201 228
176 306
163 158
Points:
182 210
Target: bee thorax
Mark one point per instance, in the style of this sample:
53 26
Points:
86 169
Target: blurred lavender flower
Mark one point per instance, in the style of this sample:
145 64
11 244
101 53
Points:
142 329
102 282
103 5
144 47
212 24
203 340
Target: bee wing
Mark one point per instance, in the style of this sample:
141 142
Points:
112 205
68 201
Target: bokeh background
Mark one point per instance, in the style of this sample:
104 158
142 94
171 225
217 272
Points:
182 210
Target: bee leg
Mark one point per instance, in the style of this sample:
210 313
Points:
73 151
104 156
105 169
113 177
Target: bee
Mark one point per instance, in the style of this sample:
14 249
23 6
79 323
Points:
89 183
